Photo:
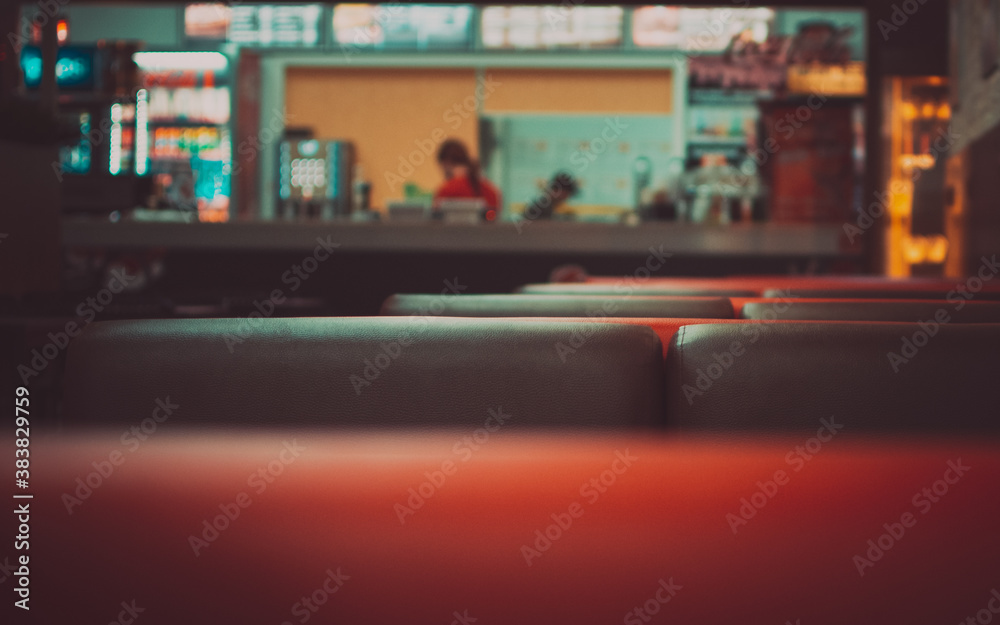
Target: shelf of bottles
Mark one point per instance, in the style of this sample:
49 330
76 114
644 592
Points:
188 137
920 113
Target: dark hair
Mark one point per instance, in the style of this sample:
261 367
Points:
563 181
454 151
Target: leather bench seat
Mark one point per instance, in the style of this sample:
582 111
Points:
525 305
665 328
948 294
903 377
826 287
633 288
686 530
761 283
872 310
374 372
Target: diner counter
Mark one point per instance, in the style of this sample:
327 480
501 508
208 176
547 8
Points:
681 239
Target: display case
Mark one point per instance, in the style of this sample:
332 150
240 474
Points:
187 112
917 140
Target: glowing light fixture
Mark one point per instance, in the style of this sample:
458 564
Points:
937 249
141 132
115 159
199 61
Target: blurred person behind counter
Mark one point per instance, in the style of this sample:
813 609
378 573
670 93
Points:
463 179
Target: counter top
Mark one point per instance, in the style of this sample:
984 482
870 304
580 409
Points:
499 238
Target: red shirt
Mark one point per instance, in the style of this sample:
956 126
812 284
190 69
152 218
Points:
460 188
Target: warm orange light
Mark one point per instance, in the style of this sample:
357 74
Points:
213 215
62 30
918 161
915 250
929 249
909 154
937 249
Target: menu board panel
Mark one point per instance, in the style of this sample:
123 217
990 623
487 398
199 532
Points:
276 25
416 26
539 27
207 20
697 30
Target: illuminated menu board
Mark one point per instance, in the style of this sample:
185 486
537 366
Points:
556 26
415 26
276 25
697 30
207 21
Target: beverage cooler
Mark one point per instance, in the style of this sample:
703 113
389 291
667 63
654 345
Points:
188 136
103 170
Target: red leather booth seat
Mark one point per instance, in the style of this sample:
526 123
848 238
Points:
527 305
360 372
870 310
667 328
838 287
983 280
871 376
949 294
541 529
627 288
